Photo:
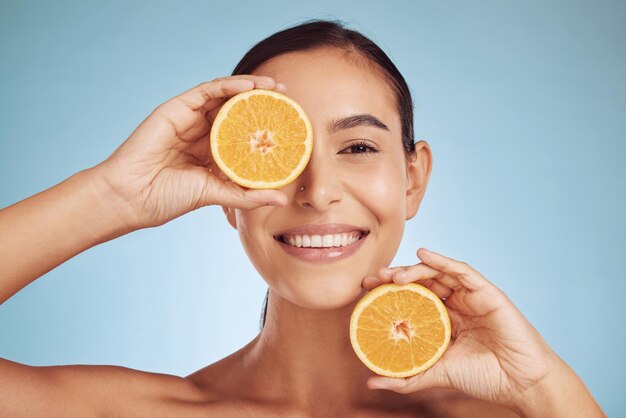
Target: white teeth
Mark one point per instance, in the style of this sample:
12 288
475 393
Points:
316 241
337 240
319 241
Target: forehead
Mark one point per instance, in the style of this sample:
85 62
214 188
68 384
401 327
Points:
328 85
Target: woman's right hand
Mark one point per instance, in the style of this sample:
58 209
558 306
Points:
165 169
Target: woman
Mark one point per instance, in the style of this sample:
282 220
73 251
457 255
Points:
366 176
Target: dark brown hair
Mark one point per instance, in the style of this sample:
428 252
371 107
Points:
316 33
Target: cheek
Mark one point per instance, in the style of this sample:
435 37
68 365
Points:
252 235
380 188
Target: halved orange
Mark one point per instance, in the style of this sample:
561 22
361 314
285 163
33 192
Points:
261 139
399 330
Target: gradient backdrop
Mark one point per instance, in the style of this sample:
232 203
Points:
523 103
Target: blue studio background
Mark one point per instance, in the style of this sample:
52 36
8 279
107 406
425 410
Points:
523 103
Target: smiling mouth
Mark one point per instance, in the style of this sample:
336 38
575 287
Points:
344 239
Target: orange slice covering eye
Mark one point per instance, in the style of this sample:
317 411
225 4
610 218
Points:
261 139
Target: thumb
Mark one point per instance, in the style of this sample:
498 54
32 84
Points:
429 379
256 198
229 194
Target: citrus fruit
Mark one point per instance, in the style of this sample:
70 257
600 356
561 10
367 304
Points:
399 330
261 139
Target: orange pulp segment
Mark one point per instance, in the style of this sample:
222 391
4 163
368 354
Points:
399 330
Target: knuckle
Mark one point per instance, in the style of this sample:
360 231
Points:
466 269
162 107
206 88
498 294
162 113
159 109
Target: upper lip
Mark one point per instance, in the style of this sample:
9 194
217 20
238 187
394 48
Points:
321 229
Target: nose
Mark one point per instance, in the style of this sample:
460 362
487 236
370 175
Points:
321 182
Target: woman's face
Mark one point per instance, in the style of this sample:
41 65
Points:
346 184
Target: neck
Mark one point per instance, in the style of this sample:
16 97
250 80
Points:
303 361
302 355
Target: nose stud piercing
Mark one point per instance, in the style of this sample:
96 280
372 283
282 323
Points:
301 188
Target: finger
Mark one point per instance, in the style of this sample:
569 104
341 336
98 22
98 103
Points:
200 151
257 198
382 276
260 81
431 378
437 287
421 271
459 270
371 282
204 95
185 113
189 113
415 272
229 194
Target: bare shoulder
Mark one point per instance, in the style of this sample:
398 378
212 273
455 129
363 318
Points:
85 390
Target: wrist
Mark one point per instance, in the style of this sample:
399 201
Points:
114 217
561 393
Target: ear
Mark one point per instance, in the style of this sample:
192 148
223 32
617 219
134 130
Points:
418 173
231 216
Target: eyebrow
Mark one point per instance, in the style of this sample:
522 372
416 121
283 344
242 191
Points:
363 119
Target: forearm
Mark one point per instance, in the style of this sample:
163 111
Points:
43 231
561 394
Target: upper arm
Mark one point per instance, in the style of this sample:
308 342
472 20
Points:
81 390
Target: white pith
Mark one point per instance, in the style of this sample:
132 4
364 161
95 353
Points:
322 241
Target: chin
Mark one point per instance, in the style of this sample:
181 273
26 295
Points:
329 296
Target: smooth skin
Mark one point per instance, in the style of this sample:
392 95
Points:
301 364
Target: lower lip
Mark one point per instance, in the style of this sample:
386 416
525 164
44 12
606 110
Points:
320 255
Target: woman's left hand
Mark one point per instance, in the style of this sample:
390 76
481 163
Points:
495 354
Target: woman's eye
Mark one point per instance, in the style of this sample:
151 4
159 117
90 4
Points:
360 148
